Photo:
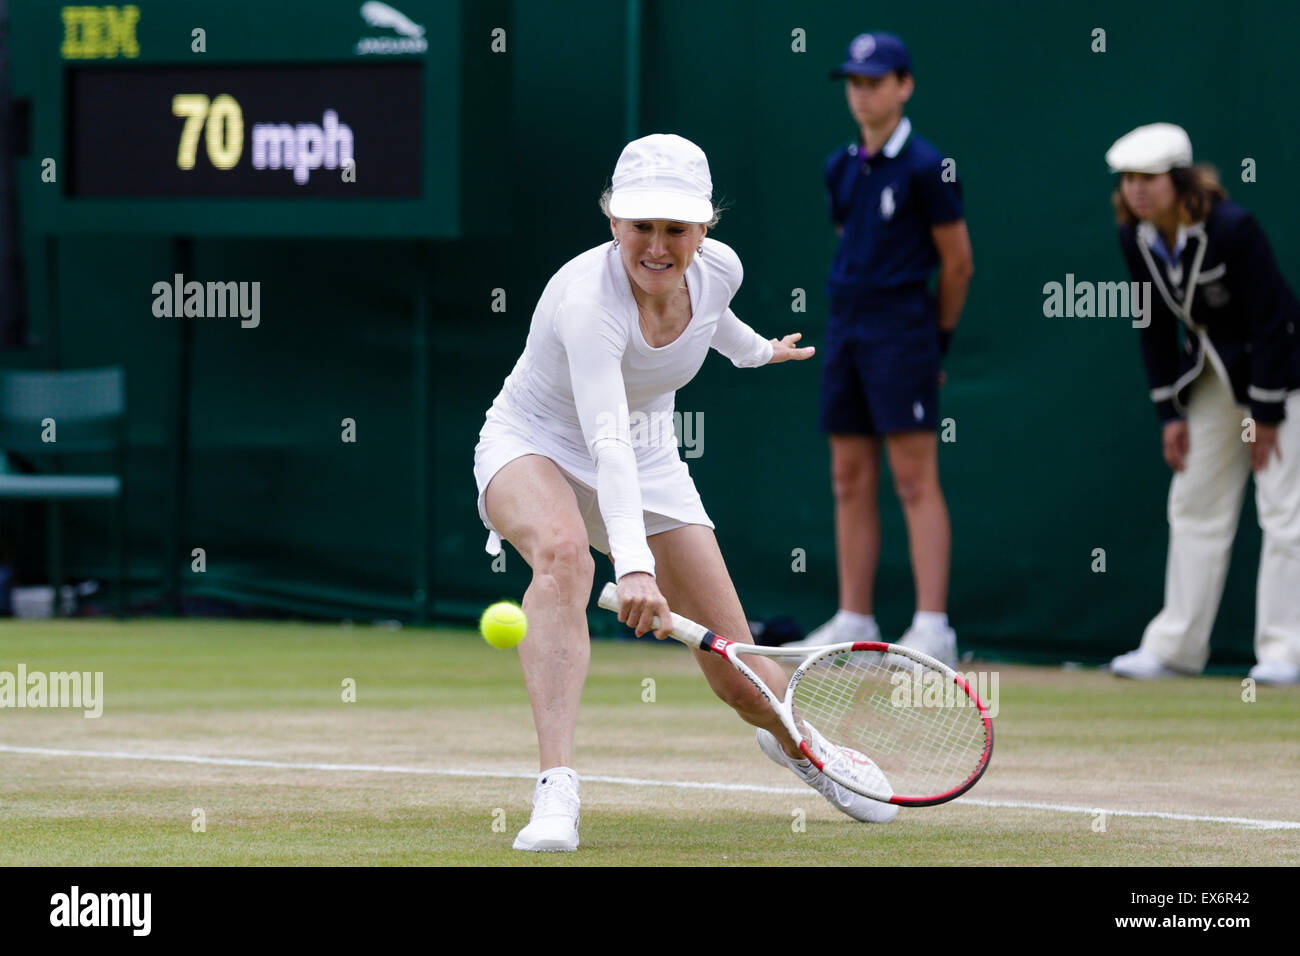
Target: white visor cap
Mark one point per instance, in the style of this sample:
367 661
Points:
662 176
1156 148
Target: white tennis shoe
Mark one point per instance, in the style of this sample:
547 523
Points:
554 823
940 642
1141 665
833 633
846 761
1275 672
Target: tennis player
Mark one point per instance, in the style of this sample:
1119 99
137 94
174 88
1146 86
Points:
896 204
1228 400
560 468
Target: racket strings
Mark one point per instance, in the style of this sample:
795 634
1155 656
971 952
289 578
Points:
924 732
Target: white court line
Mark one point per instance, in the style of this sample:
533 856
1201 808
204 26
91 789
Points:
1247 822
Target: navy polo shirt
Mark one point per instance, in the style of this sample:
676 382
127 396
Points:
887 204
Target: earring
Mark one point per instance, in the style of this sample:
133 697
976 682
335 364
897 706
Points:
700 251
616 242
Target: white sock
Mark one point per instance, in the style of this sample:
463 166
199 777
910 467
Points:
565 771
923 620
855 624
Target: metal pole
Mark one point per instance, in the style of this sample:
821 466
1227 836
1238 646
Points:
421 418
632 79
13 305
173 559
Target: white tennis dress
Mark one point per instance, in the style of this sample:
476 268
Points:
592 396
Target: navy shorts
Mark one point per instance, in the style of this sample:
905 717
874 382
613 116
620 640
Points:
873 385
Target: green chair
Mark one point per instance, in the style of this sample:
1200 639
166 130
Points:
88 412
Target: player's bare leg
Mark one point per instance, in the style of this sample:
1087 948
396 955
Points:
533 507
855 480
693 578
914 463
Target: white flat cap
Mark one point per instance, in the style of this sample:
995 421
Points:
1156 148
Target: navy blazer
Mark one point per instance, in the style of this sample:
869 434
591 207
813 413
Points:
1234 306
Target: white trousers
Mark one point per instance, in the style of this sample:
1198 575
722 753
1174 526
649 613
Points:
1204 507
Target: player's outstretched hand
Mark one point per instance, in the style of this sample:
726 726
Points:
639 603
783 350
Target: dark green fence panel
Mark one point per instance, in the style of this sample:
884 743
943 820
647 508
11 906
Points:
1056 451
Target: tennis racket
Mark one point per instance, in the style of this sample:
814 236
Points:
884 721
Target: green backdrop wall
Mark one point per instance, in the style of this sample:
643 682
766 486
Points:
1056 451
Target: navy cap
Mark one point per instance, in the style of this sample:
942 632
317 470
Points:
874 54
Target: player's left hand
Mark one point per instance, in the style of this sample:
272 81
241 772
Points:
1264 447
784 350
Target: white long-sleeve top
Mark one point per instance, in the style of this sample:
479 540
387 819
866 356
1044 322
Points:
586 371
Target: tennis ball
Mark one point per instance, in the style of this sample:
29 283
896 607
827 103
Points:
503 625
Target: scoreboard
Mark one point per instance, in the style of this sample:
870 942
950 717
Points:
250 117
290 131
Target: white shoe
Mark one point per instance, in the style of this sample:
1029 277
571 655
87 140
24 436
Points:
1275 672
939 642
831 633
848 762
1141 665
554 823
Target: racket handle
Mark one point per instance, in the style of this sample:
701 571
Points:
684 629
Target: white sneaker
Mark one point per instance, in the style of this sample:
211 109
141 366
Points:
850 763
1275 672
1141 665
831 633
939 642
554 823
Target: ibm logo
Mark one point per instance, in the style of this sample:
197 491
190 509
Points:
100 33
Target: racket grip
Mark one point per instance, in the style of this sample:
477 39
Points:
684 630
